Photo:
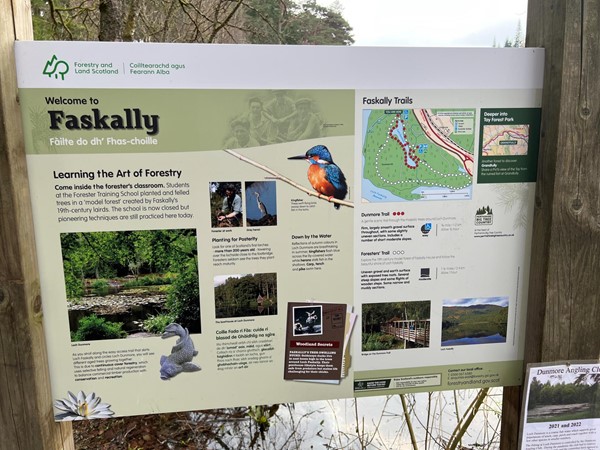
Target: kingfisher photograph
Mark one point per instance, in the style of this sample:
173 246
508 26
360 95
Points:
325 176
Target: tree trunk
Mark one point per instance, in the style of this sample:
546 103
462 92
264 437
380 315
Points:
111 20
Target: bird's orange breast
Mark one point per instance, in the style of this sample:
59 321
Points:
316 177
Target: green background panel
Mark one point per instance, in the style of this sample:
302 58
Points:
190 120
511 168
476 375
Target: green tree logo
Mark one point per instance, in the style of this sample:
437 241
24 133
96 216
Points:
56 67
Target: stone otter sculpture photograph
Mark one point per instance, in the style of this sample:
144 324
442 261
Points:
182 353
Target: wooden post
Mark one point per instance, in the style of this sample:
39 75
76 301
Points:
564 292
26 414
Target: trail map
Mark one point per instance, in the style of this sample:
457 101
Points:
505 140
418 154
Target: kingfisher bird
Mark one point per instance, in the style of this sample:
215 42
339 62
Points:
323 174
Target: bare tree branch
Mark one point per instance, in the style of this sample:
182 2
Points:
413 439
466 419
226 21
267 22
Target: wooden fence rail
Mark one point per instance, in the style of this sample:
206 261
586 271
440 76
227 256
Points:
415 331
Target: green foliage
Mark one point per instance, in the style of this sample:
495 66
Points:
74 285
289 22
317 25
163 258
100 287
157 324
379 341
100 284
42 27
183 300
475 314
111 254
151 280
93 328
261 415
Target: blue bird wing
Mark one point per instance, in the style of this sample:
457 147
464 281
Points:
336 177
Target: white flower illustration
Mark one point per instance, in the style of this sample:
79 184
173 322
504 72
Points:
82 407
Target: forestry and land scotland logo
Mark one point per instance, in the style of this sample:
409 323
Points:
56 67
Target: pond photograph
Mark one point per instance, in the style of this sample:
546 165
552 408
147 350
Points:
469 321
123 284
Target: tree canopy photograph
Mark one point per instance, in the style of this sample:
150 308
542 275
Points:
245 295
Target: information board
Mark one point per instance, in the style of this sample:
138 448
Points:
222 225
561 406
